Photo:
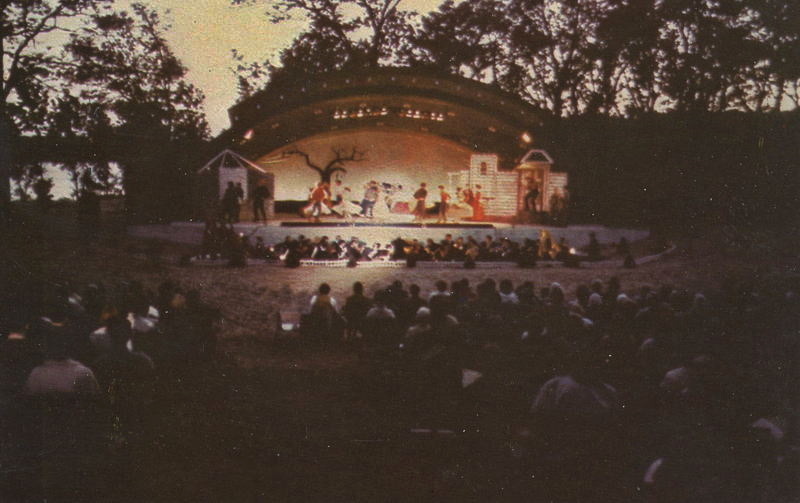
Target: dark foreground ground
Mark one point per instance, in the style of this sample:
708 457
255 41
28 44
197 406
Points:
271 419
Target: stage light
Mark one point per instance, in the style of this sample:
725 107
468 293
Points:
248 135
526 137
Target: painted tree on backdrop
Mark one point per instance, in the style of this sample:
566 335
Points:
341 157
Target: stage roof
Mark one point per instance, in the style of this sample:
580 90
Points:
476 115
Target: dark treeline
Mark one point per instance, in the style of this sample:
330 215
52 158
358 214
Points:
678 169
110 105
568 57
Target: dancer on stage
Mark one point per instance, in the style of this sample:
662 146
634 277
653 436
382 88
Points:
477 207
444 199
371 194
337 193
419 209
382 211
345 208
319 196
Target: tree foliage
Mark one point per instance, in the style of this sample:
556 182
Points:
622 57
129 78
341 34
570 57
129 98
31 60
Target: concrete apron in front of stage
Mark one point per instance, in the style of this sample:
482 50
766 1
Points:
576 235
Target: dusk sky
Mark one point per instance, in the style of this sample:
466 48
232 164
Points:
203 33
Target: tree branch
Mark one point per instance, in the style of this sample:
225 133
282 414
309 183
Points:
35 31
341 155
304 155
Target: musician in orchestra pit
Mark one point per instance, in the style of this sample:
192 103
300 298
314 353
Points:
419 209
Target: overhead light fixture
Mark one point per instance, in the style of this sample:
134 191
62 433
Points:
248 135
526 137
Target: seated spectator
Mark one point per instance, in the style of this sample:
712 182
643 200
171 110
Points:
323 322
380 322
441 289
355 311
69 427
59 374
127 377
573 421
323 296
380 311
441 318
396 296
419 329
582 294
410 306
507 294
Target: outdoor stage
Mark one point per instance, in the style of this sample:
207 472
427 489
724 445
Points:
373 231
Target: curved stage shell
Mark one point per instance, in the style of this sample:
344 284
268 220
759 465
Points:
413 126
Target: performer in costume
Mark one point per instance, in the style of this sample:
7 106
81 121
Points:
401 201
371 194
532 197
337 193
347 208
260 194
318 197
477 207
419 209
444 199
337 203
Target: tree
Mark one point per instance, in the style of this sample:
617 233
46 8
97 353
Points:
775 24
467 38
546 51
570 57
132 94
341 157
29 65
341 34
29 62
129 73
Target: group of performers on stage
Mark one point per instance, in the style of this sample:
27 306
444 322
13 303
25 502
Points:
382 200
